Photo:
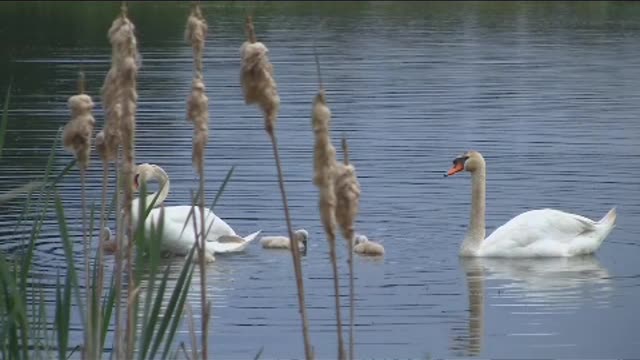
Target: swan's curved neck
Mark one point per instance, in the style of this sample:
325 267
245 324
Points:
162 194
476 231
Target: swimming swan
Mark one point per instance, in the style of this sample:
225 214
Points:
535 233
176 237
363 246
282 242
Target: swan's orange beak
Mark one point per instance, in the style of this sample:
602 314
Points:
456 168
136 184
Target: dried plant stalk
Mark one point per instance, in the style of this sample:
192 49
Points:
347 191
101 148
198 114
120 100
324 163
258 84
260 88
77 140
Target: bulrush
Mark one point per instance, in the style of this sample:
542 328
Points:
257 80
79 130
77 140
347 190
259 87
120 100
198 114
324 164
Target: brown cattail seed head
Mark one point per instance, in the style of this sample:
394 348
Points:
197 102
79 130
324 163
258 84
198 114
347 191
195 34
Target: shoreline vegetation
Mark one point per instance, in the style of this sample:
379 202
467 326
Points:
137 299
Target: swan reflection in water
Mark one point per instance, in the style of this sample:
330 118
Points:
565 282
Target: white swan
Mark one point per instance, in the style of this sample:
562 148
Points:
366 247
282 242
535 233
109 245
176 237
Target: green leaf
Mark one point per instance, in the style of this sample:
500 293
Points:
176 303
4 120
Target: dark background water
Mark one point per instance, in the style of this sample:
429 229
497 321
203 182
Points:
547 91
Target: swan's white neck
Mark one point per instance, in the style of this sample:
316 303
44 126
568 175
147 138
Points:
162 194
476 231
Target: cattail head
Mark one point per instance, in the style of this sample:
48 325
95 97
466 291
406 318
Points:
324 162
257 78
195 34
198 102
79 130
347 191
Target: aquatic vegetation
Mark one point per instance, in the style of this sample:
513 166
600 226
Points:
138 299
260 88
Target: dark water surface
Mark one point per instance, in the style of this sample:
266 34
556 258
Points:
548 92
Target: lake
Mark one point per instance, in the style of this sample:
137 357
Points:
547 91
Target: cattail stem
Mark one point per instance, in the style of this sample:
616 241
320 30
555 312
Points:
295 252
203 284
251 32
118 338
351 298
336 290
345 152
85 241
100 260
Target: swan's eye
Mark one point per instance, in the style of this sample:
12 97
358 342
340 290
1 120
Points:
461 160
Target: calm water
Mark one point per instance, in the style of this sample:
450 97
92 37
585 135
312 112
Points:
547 92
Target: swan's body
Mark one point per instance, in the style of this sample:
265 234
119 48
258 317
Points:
535 233
366 247
176 237
283 242
109 245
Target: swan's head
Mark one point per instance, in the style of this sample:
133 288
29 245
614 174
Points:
470 161
145 172
106 233
360 238
302 235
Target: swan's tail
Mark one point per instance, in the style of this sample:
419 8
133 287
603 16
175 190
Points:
234 243
609 220
607 224
249 238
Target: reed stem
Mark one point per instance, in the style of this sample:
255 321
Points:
203 284
336 290
345 152
88 332
295 251
118 338
100 260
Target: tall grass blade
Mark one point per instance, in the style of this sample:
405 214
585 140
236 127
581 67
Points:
176 304
222 187
17 318
5 119
63 310
67 245
107 310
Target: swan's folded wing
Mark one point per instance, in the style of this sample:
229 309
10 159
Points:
230 239
543 232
